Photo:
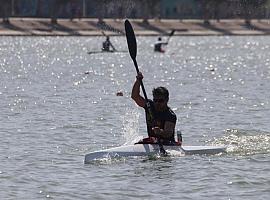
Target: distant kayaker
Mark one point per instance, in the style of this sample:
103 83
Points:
159 45
164 119
107 45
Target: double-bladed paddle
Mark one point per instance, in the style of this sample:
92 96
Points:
132 47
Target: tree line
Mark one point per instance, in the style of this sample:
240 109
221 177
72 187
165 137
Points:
209 9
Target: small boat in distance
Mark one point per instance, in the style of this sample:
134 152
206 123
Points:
102 51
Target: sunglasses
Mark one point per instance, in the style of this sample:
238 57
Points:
159 100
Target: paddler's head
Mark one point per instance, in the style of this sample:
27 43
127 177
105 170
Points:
160 98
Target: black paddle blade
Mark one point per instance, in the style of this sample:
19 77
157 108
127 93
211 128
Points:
172 32
131 40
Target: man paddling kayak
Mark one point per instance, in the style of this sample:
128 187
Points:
162 126
159 45
107 45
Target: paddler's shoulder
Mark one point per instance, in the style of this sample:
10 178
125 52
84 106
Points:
171 112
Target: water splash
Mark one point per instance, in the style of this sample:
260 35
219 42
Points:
131 126
174 153
245 142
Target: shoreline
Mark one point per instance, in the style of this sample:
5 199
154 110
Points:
115 27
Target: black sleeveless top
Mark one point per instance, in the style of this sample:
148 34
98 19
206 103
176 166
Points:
159 119
158 47
106 46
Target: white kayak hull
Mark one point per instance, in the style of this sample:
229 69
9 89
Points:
150 149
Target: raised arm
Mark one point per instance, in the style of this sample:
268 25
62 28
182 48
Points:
135 94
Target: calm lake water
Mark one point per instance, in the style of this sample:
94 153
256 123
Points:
59 103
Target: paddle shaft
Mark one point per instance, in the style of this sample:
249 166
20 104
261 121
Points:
171 34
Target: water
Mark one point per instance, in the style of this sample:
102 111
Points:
53 113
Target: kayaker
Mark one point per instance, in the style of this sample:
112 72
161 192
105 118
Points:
107 45
159 45
162 126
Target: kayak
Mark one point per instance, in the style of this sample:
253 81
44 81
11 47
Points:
111 51
151 149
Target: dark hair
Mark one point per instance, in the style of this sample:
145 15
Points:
161 91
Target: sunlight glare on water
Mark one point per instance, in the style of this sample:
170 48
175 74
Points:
59 103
